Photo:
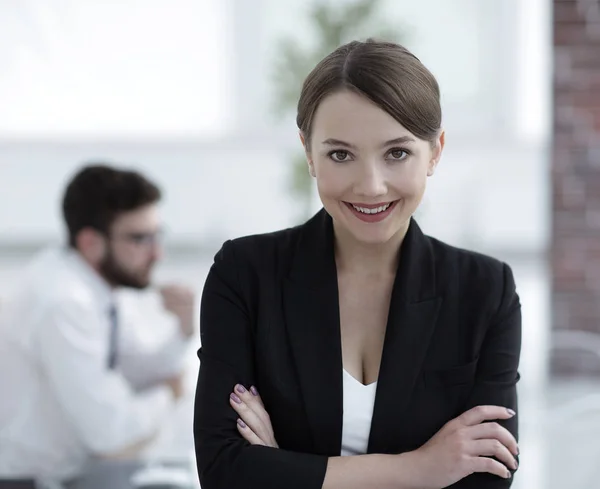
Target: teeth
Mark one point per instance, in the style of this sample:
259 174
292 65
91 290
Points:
375 210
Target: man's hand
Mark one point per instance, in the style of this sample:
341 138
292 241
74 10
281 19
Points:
254 423
180 301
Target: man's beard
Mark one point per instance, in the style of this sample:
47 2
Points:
117 276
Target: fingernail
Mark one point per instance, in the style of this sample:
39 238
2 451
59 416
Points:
516 465
240 388
511 412
241 423
254 391
518 451
508 474
235 398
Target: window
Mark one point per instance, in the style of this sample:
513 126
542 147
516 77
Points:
132 68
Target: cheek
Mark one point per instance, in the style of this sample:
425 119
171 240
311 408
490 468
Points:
139 260
410 180
331 183
127 258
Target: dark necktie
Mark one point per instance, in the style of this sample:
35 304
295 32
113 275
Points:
113 338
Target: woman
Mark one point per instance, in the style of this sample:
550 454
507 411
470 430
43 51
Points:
354 351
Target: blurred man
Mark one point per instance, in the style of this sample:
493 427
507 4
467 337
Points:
66 360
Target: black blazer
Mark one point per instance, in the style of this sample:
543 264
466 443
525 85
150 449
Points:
270 318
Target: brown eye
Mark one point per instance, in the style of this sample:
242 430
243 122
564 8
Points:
339 155
398 154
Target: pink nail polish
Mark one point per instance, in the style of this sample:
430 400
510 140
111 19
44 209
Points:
254 391
240 388
241 423
235 398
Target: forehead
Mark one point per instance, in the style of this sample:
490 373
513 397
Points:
144 219
351 117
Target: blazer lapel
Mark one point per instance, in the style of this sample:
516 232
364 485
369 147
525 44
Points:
412 317
311 305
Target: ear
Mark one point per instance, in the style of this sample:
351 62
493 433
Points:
436 154
311 166
91 244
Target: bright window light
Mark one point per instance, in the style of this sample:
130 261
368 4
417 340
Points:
132 68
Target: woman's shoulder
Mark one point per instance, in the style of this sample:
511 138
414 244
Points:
473 267
277 248
261 249
479 279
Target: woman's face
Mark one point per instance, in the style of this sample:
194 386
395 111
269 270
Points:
371 171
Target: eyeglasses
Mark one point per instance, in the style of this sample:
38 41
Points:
141 239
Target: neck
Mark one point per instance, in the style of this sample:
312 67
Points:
359 258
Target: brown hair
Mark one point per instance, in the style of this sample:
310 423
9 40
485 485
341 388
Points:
384 72
98 193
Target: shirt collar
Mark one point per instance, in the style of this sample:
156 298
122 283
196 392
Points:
103 292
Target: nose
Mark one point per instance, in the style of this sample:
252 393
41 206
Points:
370 180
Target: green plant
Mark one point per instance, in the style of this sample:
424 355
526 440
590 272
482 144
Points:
333 26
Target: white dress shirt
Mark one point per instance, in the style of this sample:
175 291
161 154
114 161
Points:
60 404
359 400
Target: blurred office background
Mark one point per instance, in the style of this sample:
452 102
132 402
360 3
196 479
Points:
185 91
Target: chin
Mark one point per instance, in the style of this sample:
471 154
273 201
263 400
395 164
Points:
138 283
373 238
143 283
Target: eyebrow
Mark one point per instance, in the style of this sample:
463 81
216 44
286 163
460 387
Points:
338 142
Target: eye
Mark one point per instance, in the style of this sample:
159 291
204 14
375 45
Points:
339 155
398 154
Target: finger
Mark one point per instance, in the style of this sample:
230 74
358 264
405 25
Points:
496 432
254 402
164 290
248 415
263 427
254 392
252 398
491 466
494 448
479 414
247 433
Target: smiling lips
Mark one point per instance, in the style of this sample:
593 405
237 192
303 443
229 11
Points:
370 212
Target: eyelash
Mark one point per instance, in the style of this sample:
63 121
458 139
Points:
393 150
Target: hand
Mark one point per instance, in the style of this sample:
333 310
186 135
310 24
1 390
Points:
254 423
180 301
463 446
176 386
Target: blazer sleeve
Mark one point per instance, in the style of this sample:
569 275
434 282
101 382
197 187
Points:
497 373
224 459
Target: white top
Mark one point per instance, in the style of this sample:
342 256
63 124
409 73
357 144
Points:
60 403
359 400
